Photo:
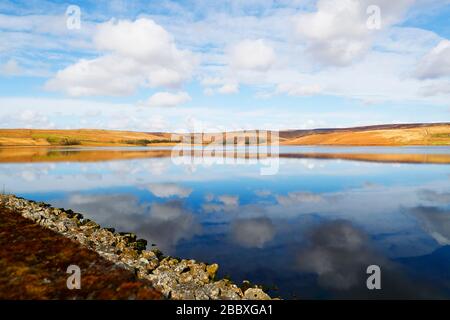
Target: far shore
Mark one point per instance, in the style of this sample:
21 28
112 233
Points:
70 154
419 134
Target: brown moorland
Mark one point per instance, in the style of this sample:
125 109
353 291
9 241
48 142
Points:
34 260
378 135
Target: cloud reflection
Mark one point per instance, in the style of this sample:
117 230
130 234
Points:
435 221
337 253
164 224
252 233
166 190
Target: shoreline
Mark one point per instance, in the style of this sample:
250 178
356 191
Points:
178 279
86 154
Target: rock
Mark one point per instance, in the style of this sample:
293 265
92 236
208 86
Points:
153 261
141 244
255 294
90 224
212 270
212 291
128 236
129 253
158 253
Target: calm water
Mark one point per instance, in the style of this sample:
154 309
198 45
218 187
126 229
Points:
309 231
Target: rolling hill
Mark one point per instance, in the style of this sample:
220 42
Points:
378 135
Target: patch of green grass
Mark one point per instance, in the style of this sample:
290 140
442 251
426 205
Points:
70 142
52 140
144 142
441 135
55 140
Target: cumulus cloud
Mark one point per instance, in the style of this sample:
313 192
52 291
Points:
136 54
166 190
254 55
252 233
436 63
167 99
337 31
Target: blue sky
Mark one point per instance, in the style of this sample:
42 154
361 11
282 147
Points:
209 65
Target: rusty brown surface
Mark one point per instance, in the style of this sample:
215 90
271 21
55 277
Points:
34 260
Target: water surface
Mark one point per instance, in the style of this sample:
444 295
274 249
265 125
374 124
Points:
309 231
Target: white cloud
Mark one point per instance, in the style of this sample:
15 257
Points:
137 54
440 88
219 85
27 118
436 63
254 55
167 99
337 32
229 88
10 68
166 190
294 89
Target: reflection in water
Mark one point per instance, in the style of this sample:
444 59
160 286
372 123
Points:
162 223
337 252
253 232
433 196
166 190
311 230
435 221
372 154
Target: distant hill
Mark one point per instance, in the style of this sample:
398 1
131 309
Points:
81 137
377 135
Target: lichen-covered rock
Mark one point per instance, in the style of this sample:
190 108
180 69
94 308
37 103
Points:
255 294
153 261
212 270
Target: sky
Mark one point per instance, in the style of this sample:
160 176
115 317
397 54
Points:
199 65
